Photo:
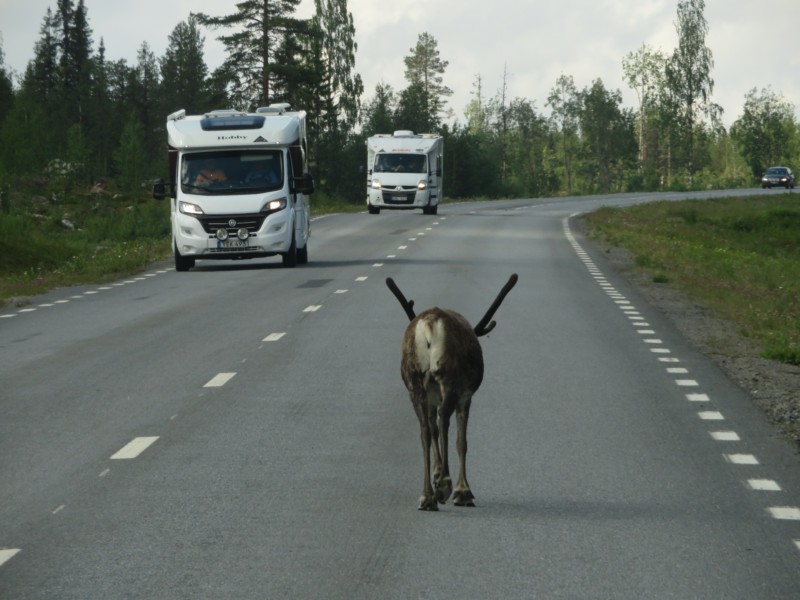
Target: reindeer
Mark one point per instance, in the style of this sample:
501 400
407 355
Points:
442 367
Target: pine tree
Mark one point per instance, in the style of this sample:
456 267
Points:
425 72
378 114
75 43
334 24
250 68
145 89
6 87
183 70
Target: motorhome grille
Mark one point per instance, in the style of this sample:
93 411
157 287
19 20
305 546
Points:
232 223
396 197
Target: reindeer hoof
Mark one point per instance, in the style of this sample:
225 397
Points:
428 503
463 498
444 487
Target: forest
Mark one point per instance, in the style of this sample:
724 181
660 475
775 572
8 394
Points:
77 119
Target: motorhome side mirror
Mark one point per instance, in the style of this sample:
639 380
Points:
159 189
304 184
438 172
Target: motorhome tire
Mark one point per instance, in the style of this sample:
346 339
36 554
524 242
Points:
430 210
290 257
374 210
302 255
182 263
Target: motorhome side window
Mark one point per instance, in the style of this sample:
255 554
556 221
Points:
232 172
401 163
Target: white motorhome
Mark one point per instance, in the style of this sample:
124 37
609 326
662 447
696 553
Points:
404 170
238 185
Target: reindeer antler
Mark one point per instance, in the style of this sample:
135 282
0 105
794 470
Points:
408 305
482 328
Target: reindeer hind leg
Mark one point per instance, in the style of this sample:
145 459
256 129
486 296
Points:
463 494
427 501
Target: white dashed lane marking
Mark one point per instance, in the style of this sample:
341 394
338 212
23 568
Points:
134 448
220 379
274 337
741 459
789 513
7 554
81 296
711 415
724 436
763 485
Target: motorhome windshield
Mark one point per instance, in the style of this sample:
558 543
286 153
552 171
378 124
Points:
401 163
232 172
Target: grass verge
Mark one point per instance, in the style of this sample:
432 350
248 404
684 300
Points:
55 240
738 256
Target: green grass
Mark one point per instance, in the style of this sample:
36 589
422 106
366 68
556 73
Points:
113 236
739 256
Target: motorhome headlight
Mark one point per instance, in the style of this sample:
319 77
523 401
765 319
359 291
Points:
422 184
376 184
274 206
243 234
188 208
222 234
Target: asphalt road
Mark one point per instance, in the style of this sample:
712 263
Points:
242 431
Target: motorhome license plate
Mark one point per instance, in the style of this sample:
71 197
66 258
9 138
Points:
399 198
235 243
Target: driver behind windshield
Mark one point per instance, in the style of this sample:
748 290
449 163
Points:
208 174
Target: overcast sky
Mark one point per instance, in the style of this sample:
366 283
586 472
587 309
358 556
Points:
754 44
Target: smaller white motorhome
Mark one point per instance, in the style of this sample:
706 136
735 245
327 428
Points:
238 185
404 171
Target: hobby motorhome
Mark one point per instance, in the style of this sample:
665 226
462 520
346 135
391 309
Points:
238 185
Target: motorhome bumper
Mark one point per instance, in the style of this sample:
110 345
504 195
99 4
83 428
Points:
192 238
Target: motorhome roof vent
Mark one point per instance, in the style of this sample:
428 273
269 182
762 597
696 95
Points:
403 133
275 109
227 120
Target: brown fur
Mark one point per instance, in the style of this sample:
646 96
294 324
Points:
442 367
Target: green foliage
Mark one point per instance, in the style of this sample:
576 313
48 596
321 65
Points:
738 255
130 156
766 131
77 118
74 238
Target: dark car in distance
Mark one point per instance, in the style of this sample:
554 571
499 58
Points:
778 176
